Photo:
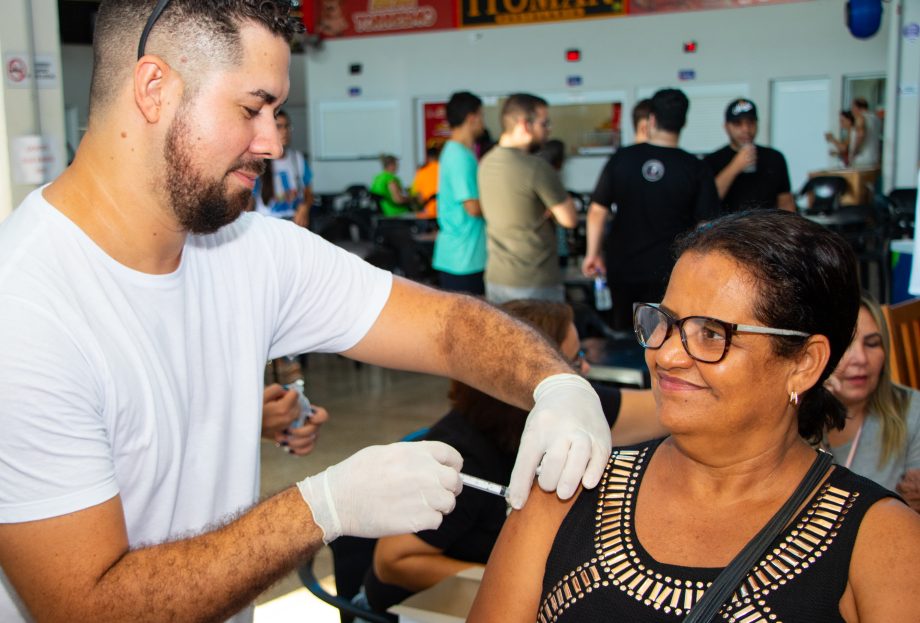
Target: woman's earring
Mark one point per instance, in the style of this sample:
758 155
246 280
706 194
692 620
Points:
794 398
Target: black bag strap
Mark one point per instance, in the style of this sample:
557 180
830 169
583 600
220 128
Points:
732 575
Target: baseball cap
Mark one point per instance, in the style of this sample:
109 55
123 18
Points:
741 108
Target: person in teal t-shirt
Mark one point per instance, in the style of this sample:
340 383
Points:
460 249
393 199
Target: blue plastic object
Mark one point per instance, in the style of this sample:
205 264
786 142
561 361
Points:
864 17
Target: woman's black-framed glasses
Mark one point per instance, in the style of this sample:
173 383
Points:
154 16
705 339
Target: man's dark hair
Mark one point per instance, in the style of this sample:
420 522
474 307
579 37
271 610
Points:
553 151
520 106
641 111
461 105
189 35
861 102
807 280
670 109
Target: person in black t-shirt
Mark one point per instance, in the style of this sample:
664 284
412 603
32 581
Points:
749 176
660 191
487 432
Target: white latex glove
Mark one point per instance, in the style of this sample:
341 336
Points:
566 435
385 490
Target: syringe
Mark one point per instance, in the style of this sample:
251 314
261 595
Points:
484 485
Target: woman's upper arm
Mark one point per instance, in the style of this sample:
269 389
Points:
885 566
513 581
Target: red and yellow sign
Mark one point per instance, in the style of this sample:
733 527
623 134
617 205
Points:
477 13
437 130
355 18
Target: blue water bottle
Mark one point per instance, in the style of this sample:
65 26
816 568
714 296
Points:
602 298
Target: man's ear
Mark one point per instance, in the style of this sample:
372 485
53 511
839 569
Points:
151 74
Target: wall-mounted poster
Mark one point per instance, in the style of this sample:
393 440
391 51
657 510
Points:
355 18
437 130
477 13
639 7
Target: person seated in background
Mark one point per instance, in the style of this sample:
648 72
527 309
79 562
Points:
743 404
425 185
389 188
844 145
487 433
881 437
285 189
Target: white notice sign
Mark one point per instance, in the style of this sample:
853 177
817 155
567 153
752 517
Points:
20 71
33 160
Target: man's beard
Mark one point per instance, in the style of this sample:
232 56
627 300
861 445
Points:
201 206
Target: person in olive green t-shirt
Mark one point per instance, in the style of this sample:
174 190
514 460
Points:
521 196
393 199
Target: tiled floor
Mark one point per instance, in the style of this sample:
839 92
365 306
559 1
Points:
367 405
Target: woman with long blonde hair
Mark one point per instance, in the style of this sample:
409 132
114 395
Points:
881 437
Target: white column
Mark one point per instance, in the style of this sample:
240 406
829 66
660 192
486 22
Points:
31 100
902 133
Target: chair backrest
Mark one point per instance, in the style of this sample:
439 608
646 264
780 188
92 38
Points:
824 192
904 331
348 553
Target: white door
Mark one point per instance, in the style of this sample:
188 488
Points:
799 117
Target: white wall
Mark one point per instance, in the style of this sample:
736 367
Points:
901 158
29 111
753 45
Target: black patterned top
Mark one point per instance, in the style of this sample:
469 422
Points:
611 577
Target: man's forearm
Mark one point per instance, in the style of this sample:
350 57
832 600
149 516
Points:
597 218
425 330
212 576
725 179
203 578
503 357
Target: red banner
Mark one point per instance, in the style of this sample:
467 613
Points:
641 7
356 18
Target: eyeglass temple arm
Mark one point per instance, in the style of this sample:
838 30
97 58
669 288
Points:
154 16
769 331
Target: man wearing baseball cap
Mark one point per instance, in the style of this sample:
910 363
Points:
749 176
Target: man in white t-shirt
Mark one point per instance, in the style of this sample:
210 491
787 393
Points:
138 308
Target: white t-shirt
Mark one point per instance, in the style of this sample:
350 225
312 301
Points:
869 155
116 382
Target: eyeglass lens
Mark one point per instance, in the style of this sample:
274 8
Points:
703 338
